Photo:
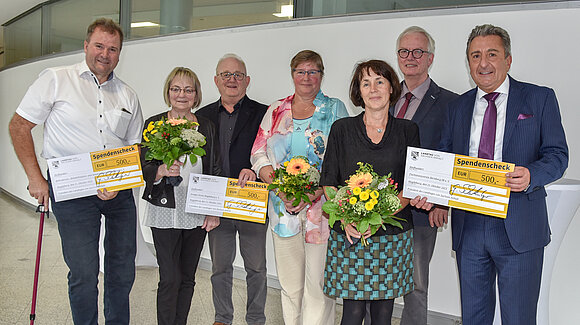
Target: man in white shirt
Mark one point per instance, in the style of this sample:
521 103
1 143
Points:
84 108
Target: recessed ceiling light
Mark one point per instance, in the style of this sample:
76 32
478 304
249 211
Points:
144 24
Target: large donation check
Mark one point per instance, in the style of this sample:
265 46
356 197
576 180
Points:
222 197
463 182
83 174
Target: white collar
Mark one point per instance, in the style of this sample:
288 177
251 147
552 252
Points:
82 68
504 88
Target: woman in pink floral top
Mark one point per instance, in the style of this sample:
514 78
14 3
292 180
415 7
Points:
298 125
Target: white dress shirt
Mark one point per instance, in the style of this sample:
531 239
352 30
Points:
79 114
477 120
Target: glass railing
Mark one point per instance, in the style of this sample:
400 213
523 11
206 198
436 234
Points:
60 25
22 38
315 8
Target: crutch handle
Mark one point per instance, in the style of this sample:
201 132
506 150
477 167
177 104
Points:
41 209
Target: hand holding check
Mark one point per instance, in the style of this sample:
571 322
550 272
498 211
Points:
519 179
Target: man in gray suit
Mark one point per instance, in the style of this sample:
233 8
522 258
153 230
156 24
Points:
423 102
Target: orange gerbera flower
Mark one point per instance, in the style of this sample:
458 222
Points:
297 166
360 180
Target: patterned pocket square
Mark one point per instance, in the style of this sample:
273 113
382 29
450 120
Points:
524 116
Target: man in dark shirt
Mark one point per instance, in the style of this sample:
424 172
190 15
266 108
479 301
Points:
237 118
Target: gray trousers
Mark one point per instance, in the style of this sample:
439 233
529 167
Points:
222 245
415 310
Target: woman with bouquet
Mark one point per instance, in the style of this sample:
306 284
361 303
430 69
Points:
178 236
382 270
298 125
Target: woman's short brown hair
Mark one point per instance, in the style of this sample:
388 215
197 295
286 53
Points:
185 72
379 67
307 56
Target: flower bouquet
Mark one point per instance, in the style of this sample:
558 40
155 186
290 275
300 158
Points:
169 139
296 179
368 200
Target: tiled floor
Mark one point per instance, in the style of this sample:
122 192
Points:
18 237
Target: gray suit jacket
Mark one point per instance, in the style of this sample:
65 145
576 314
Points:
430 117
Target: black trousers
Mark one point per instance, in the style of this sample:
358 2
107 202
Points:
178 252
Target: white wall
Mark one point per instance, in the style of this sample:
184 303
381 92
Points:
545 51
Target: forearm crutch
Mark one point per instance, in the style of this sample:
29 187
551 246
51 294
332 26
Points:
42 211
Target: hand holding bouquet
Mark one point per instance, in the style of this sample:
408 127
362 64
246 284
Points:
368 201
168 140
296 179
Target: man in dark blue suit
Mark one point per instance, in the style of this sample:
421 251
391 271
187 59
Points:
237 118
423 102
504 120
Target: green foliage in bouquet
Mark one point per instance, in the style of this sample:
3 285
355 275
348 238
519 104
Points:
368 200
296 179
168 140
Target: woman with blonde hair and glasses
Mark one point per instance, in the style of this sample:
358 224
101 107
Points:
178 236
298 125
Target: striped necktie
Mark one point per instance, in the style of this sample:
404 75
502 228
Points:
487 140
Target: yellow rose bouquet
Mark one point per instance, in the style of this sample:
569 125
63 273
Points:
169 139
296 178
368 200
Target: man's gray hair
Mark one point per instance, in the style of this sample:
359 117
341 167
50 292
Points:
231 56
417 29
491 30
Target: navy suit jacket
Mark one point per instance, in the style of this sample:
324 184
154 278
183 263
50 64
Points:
534 138
430 116
245 130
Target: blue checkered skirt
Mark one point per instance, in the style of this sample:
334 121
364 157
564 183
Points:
382 270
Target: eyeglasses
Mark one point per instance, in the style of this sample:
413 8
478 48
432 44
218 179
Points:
237 75
303 73
178 90
417 53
